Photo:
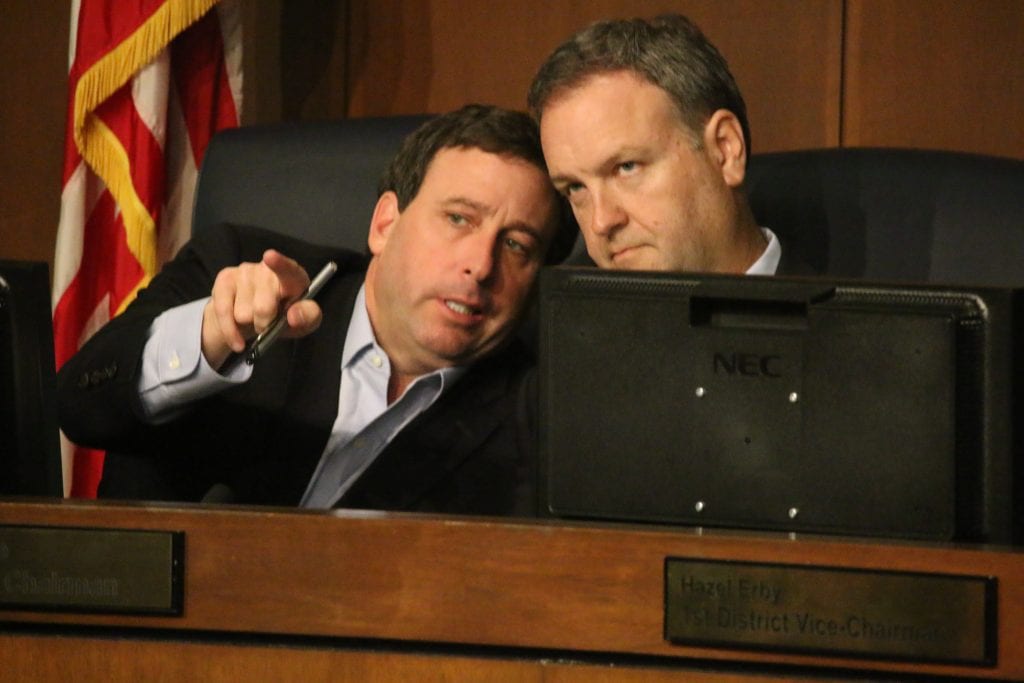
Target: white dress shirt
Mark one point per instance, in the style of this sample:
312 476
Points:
768 262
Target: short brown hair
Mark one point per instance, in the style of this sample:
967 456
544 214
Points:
668 51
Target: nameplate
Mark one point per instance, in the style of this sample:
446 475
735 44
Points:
91 570
830 611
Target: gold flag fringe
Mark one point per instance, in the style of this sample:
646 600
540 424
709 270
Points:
100 147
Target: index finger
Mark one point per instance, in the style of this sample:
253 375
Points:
292 277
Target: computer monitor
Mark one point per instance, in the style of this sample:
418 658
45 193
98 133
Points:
29 441
787 404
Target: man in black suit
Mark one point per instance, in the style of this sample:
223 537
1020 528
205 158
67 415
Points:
645 132
397 388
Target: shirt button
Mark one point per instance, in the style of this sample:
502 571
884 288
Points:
174 363
376 361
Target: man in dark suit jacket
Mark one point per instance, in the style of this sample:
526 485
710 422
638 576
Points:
645 132
465 218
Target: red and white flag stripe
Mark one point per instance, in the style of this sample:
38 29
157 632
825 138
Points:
150 81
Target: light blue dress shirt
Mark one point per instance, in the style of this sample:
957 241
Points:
366 424
175 373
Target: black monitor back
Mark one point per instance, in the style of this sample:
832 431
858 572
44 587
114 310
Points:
29 442
797 405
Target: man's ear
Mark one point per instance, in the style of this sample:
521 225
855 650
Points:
723 138
384 216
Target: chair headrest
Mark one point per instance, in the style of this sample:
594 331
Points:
315 181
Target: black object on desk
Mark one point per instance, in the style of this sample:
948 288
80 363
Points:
809 405
29 441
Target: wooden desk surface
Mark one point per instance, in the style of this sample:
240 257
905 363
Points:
535 585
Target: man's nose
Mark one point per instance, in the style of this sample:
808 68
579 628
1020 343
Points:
607 213
477 254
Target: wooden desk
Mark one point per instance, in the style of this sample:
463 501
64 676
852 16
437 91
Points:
347 596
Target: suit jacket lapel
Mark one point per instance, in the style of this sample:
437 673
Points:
436 443
790 263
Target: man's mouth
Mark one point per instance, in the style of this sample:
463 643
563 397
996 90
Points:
623 252
461 308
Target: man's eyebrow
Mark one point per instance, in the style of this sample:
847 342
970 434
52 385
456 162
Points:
630 153
465 201
610 160
562 179
519 226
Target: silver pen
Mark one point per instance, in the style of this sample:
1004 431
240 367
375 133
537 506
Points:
264 339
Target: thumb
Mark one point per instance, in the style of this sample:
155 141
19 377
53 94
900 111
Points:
304 317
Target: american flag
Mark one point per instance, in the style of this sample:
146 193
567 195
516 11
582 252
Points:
150 81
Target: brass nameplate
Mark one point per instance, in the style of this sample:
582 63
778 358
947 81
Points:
91 570
862 613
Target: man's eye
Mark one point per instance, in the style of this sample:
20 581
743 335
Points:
572 188
512 244
457 219
627 166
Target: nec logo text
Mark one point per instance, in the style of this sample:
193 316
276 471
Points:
747 364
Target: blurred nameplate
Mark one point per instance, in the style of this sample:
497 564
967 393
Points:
91 570
863 613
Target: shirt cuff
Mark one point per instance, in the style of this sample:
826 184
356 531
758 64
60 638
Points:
174 370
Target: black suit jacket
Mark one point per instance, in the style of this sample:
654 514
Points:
790 263
468 453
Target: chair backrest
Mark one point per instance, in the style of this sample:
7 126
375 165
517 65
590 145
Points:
315 181
879 214
29 447
889 214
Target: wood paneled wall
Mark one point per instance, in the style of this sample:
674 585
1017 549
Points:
940 74
33 83
409 57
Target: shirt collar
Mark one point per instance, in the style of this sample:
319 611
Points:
360 333
768 263
360 338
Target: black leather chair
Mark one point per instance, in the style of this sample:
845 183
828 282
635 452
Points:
880 214
316 181
889 214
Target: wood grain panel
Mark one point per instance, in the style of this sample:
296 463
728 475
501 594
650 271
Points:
59 659
937 74
422 56
561 588
41 659
293 60
34 55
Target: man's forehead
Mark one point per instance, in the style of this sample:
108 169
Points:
611 113
594 147
613 94
455 157
473 178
